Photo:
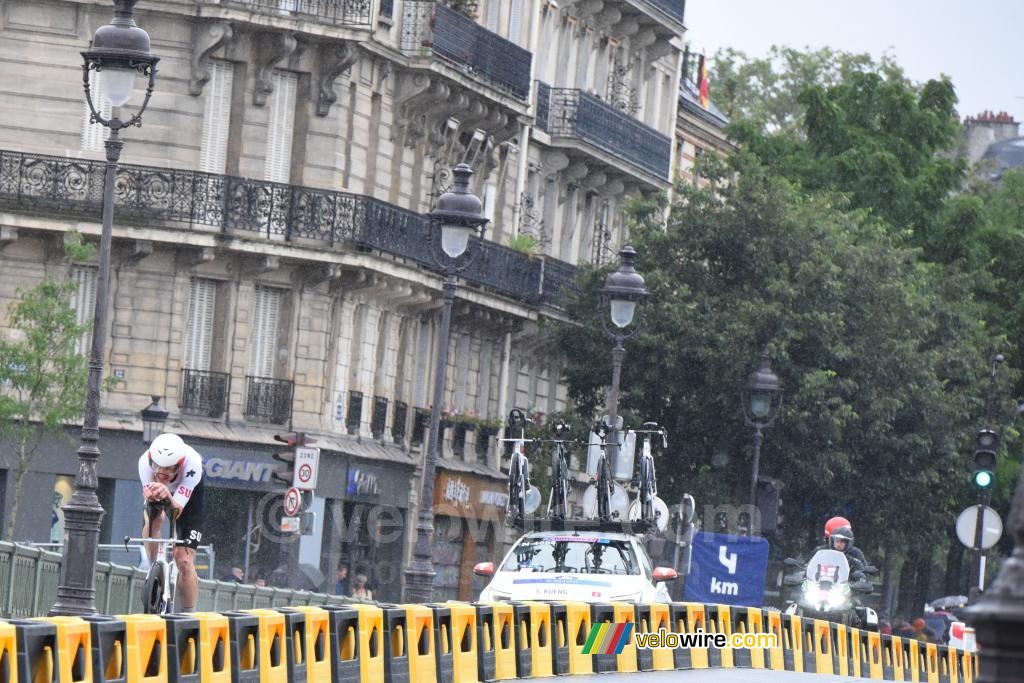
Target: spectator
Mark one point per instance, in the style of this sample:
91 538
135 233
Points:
260 581
236 574
921 631
360 590
885 628
341 583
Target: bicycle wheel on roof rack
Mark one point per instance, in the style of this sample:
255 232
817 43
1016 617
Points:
153 589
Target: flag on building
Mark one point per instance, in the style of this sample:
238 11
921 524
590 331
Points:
703 81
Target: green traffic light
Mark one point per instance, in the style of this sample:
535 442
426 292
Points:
983 479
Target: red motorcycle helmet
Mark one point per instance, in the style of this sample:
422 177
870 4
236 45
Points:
833 524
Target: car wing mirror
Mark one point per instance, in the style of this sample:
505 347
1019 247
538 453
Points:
484 569
664 574
870 569
790 562
792 580
863 587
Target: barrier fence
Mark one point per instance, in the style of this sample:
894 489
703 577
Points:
457 642
246 633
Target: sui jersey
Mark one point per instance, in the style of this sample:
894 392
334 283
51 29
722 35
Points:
189 475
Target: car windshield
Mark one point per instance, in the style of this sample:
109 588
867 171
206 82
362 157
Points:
573 554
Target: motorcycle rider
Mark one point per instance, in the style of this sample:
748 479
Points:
853 553
841 539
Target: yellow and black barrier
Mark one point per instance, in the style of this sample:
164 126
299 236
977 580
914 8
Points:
422 646
183 648
146 646
559 639
444 658
465 643
309 643
453 641
109 646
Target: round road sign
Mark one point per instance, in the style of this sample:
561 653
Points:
991 527
292 502
305 473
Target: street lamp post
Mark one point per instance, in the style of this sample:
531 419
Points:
998 617
153 418
119 53
623 291
459 215
762 397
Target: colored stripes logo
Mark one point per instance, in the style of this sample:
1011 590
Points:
607 638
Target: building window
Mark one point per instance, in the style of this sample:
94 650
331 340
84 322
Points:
84 303
199 333
93 134
216 118
265 321
279 128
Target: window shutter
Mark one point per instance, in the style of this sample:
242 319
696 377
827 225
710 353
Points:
515 21
94 134
199 340
216 117
279 127
266 310
491 21
84 303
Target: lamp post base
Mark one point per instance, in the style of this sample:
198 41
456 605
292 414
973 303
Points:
419 583
999 626
76 595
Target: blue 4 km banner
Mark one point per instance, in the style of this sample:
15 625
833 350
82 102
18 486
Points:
729 570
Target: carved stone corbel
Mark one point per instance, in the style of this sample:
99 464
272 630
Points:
274 48
333 59
134 251
310 276
576 171
553 162
208 37
607 17
189 257
410 91
661 47
594 180
474 114
251 267
626 27
643 39
8 236
612 188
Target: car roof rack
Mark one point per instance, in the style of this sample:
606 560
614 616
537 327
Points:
638 527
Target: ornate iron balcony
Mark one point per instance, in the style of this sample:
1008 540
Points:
205 202
204 393
340 12
269 400
571 113
674 9
470 47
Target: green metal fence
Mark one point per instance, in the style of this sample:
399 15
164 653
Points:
29 578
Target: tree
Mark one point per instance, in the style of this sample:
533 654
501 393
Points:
881 355
42 378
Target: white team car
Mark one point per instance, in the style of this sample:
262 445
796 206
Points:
583 566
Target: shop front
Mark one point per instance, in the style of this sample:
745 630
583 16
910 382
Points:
469 510
364 525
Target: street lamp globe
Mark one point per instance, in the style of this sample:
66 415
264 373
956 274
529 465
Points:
119 53
624 289
763 393
459 213
153 418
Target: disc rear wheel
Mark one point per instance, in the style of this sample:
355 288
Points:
153 589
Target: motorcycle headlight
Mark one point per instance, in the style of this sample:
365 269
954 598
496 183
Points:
836 596
812 593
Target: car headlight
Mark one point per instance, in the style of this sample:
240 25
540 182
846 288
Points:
812 593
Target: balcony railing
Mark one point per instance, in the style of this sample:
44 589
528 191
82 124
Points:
36 183
269 400
570 113
204 393
470 47
339 12
674 9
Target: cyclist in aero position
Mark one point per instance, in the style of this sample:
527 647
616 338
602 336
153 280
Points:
173 471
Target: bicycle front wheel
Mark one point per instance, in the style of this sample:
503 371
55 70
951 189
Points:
604 492
516 508
153 589
647 490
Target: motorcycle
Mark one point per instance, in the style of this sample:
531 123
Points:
825 591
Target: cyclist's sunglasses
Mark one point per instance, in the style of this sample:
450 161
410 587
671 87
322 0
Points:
163 470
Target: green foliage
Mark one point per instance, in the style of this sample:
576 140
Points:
523 242
881 355
42 378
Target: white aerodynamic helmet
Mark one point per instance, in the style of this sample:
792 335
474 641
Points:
167 450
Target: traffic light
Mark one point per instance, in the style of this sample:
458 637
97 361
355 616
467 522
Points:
986 444
767 502
286 474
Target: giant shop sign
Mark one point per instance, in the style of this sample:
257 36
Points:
467 495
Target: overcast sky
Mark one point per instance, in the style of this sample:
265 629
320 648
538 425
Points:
978 44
